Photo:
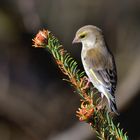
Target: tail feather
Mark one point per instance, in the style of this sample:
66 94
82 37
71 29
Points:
112 103
113 107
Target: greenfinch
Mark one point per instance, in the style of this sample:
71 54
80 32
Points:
98 62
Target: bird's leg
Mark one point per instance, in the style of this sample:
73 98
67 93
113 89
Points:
100 105
86 81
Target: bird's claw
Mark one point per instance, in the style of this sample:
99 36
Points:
86 82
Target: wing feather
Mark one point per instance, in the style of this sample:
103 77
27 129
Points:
103 69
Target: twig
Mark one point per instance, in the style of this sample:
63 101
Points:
100 120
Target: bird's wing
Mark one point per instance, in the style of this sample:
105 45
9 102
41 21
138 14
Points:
103 69
106 77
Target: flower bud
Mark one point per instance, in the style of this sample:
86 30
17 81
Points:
41 39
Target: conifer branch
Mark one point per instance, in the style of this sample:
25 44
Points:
100 119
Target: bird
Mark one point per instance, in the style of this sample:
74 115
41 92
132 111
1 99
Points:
98 62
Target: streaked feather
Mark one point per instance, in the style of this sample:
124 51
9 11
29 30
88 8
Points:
102 70
103 67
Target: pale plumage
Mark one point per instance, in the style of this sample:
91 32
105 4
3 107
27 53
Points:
98 62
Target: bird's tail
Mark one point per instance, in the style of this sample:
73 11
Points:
113 107
111 103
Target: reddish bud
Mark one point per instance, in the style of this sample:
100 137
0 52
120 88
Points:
41 39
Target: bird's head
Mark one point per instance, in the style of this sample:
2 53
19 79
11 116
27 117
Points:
87 35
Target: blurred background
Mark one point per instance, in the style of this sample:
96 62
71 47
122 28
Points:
35 104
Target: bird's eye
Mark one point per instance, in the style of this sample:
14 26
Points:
82 36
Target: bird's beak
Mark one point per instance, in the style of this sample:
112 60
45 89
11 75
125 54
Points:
75 40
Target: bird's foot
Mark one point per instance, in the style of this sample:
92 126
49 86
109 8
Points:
86 82
101 103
